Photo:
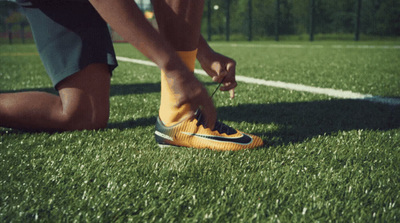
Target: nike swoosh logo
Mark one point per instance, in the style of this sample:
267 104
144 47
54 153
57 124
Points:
162 135
242 140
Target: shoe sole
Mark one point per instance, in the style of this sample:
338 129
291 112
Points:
162 146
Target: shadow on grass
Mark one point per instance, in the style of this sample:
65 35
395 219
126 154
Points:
296 121
133 123
142 88
301 120
115 89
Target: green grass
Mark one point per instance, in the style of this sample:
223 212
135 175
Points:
325 159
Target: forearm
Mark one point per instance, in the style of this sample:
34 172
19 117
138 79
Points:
128 21
203 49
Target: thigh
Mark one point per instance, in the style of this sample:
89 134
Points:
70 36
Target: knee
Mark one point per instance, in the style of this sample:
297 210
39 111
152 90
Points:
85 98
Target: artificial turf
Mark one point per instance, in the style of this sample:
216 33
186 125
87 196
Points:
325 159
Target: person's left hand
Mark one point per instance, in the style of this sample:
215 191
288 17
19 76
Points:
220 68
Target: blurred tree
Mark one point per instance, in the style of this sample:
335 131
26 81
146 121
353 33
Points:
377 17
381 17
6 8
16 18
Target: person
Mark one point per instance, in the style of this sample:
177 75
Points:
76 49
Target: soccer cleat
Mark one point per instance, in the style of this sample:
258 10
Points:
192 133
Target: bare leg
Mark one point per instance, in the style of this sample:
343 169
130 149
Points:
83 104
179 22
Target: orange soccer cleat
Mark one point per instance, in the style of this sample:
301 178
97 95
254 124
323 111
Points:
192 133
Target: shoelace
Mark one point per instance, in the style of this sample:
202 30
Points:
219 85
219 126
222 128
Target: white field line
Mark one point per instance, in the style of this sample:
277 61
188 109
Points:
294 46
290 86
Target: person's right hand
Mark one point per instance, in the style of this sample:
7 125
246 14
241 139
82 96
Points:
188 90
221 69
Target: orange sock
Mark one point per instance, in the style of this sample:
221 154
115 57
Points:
169 114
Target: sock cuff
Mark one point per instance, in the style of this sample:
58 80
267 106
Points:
189 58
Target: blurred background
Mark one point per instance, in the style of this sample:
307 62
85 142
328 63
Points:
248 20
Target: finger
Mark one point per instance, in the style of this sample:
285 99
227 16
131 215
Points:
220 77
229 78
228 86
232 93
217 79
211 73
216 68
231 69
210 114
220 71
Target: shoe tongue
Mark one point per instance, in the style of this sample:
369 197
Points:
219 126
222 128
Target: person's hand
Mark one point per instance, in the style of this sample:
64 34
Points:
220 68
188 90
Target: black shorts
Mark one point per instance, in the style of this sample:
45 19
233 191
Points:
70 36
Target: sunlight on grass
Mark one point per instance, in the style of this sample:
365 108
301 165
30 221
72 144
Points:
325 159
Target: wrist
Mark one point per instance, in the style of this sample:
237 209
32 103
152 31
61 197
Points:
177 72
204 50
203 55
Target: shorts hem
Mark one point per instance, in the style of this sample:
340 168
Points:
57 78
